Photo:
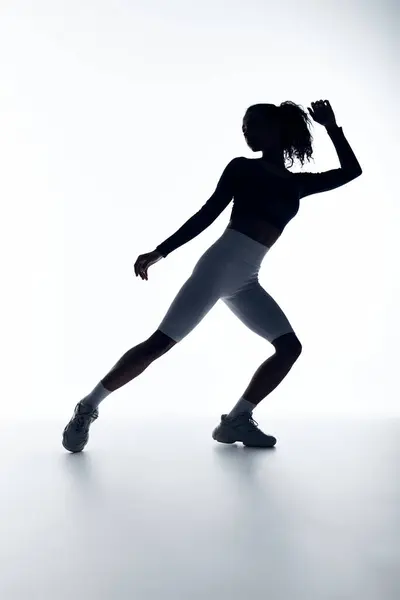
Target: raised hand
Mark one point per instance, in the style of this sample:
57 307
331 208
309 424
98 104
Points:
322 113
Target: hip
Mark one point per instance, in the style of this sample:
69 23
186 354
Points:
232 248
260 231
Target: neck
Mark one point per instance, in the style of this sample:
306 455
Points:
273 157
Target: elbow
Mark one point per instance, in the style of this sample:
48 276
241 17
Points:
354 173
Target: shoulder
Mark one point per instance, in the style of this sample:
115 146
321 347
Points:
238 160
236 165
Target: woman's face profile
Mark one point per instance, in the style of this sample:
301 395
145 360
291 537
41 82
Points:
260 132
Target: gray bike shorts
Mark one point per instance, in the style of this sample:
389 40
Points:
227 271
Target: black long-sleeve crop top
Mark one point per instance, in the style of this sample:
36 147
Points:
265 196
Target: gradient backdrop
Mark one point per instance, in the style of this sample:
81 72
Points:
117 119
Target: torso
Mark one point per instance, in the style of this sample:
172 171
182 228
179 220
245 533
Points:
262 231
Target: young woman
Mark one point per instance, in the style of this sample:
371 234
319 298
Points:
266 197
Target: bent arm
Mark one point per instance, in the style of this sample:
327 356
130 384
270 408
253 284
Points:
314 183
206 215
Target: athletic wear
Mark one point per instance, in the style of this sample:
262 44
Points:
242 428
93 399
242 406
228 270
260 193
76 433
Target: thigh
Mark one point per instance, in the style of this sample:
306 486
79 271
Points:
193 301
259 311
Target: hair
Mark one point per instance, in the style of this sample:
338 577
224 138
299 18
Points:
294 121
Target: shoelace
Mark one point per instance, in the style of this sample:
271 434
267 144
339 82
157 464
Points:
252 423
80 423
82 420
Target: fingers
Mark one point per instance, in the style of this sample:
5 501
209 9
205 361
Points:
318 106
320 103
140 270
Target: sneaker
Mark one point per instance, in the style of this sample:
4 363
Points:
76 433
242 428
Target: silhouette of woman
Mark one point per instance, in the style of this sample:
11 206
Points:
266 197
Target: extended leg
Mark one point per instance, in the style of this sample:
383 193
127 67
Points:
134 362
137 359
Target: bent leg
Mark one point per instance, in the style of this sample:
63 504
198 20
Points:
272 371
260 313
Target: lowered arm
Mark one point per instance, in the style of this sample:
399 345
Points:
207 214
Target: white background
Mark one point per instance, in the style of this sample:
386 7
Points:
117 119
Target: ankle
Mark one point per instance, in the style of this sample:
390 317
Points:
93 399
242 406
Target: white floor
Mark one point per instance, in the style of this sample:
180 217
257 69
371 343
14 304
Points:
157 510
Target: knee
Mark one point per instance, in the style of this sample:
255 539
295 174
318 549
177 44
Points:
288 344
159 343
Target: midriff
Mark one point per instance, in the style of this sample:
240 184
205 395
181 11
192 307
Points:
260 231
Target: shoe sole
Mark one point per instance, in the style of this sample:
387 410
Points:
219 436
223 440
70 449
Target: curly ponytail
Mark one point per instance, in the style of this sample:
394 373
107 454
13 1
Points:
296 136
